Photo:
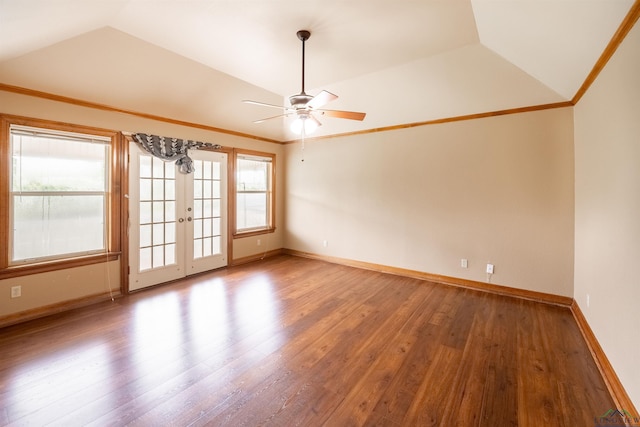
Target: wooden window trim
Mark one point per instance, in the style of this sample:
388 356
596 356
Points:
115 197
271 226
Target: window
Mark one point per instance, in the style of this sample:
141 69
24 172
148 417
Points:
254 207
58 191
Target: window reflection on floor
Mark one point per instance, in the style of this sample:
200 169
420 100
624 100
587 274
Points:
157 334
208 318
73 369
256 309
215 316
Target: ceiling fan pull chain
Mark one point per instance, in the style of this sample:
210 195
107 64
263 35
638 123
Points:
302 144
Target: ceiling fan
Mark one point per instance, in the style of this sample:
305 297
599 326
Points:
306 107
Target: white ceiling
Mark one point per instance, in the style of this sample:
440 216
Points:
400 61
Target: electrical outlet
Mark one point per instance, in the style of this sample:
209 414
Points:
16 291
489 268
325 243
464 263
258 242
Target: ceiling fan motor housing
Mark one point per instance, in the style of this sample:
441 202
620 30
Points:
300 100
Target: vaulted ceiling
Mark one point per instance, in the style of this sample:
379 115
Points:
400 61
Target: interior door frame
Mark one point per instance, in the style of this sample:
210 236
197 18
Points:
125 220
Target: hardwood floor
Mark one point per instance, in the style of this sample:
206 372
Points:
292 341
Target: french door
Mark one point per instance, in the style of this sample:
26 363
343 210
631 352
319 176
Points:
177 222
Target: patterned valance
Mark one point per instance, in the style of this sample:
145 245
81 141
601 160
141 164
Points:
172 148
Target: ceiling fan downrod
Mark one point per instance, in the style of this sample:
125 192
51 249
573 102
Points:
303 35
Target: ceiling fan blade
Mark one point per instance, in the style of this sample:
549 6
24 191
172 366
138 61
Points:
273 117
312 118
263 104
351 115
321 99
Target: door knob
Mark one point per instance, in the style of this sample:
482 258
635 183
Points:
181 220
189 219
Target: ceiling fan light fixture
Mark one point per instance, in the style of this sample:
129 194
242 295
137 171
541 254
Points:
309 125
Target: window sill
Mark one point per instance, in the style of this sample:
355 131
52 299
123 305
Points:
249 233
43 267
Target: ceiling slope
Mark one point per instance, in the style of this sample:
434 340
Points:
556 42
109 67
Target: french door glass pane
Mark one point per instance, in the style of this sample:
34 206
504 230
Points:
206 246
197 188
158 188
170 232
145 212
145 235
158 168
170 190
158 211
145 166
158 256
215 207
170 211
158 234
197 173
206 227
170 170
197 208
170 254
145 189
145 258
197 228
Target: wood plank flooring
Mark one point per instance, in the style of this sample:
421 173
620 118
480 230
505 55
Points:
291 341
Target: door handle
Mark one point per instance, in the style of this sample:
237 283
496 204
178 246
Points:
181 220
189 218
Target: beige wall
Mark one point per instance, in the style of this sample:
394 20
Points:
50 288
607 222
496 190
44 289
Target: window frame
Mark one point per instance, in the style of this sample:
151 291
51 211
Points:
271 195
113 208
